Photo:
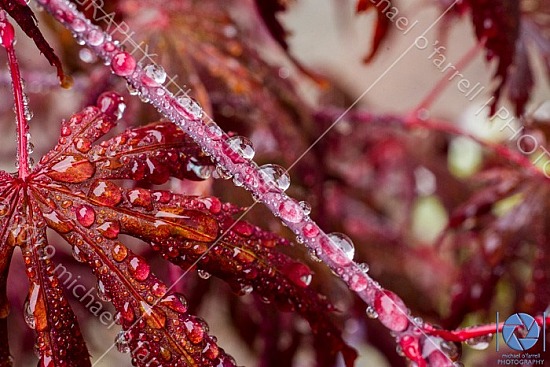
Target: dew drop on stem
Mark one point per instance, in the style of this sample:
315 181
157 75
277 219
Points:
276 176
242 145
291 211
342 243
156 73
371 313
123 64
480 342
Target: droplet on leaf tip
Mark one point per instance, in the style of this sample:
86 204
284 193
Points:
66 81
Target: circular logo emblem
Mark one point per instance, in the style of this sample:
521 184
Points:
529 328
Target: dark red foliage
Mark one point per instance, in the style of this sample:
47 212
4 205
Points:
497 22
72 191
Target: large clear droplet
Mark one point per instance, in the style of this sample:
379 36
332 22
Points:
155 72
190 106
242 145
276 176
344 243
480 343
291 211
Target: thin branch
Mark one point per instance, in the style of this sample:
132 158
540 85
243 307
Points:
8 39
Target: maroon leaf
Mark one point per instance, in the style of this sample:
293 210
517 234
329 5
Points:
268 11
59 340
382 25
76 187
497 22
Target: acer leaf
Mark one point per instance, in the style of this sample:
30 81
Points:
80 208
382 24
498 22
75 186
59 340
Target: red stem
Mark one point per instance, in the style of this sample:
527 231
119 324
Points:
8 37
461 335
437 90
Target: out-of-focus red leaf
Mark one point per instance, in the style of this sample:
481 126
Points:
521 82
498 23
382 25
268 10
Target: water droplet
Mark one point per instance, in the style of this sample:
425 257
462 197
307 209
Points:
119 252
276 176
305 207
371 313
391 310
190 106
299 274
77 254
343 243
7 34
364 267
156 73
102 292
127 313
291 211
122 343
123 64
95 37
246 289
139 268
78 25
4 209
358 283
85 215
202 172
131 89
310 230
175 302
105 192
111 104
480 343
242 145
66 130
194 331
29 315
203 274
72 169
109 230
399 350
